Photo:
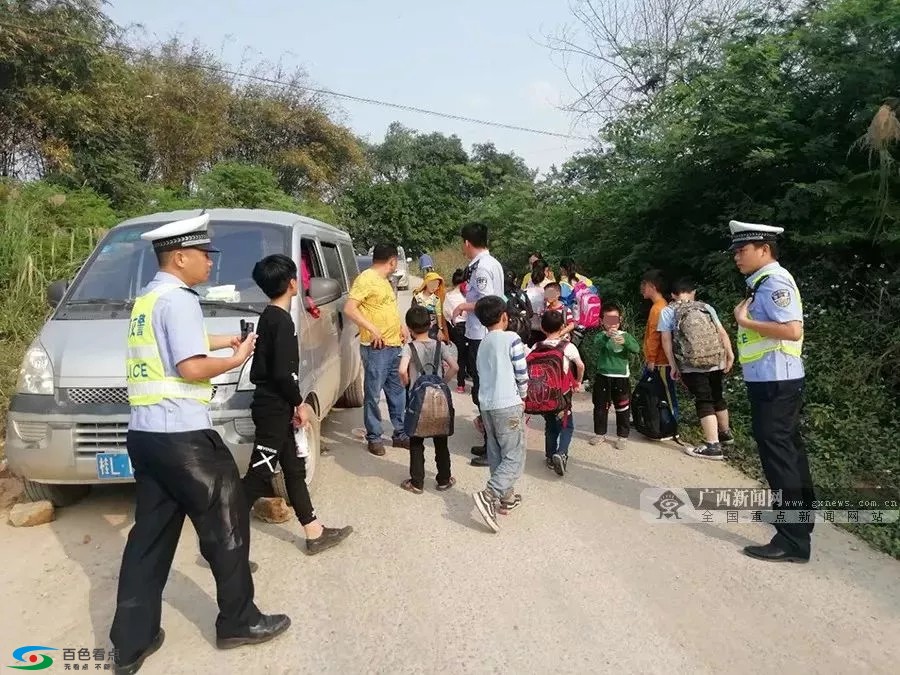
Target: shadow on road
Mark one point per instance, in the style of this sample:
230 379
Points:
97 544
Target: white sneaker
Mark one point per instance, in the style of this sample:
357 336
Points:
621 444
597 440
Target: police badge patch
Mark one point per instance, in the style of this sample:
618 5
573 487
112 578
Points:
481 283
781 297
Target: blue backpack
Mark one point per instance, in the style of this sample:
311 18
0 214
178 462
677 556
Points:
429 403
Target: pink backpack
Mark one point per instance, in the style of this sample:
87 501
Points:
589 305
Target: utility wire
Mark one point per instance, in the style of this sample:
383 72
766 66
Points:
314 90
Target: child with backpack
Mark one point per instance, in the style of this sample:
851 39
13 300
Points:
700 352
551 382
504 385
552 296
425 368
612 385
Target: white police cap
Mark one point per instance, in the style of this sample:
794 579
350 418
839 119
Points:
747 233
188 233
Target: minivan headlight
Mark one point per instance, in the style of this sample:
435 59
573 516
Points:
244 383
36 372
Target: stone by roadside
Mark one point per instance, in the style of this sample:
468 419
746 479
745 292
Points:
30 514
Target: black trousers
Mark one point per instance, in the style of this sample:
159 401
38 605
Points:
458 337
274 445
417 460
472 354
613 391
775 407
189 474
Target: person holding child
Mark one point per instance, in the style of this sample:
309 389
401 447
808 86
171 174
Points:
504 384
416 356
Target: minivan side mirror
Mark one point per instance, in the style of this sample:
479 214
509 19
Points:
56 291
324 290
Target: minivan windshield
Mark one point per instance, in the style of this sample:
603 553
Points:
123 264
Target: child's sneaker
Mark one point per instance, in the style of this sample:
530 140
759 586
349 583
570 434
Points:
597 440
706 451
487 507
549 462
559 464
621 444
507 505
726 437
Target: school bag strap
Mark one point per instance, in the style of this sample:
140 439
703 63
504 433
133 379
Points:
418 359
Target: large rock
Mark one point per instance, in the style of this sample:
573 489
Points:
31 513
273 510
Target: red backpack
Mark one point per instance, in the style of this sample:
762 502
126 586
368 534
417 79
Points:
549 385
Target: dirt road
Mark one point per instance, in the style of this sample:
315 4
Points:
577 581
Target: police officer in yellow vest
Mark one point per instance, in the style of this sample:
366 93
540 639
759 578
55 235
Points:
181 466
770 342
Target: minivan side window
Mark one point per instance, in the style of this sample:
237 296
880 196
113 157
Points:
333 267
349 258
311 257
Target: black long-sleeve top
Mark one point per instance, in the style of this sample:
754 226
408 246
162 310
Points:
276 362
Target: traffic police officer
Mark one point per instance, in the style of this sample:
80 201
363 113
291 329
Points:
770 342
181 466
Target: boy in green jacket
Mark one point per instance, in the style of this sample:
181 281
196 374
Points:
612 384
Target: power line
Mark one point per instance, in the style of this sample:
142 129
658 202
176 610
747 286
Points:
314 90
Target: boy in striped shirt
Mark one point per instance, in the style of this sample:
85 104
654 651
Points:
504 383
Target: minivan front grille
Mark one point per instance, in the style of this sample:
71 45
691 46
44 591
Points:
102 395
93 438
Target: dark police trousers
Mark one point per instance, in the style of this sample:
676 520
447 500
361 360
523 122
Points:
775 407
274 444
189 474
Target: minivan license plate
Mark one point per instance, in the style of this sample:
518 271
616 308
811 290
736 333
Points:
111 465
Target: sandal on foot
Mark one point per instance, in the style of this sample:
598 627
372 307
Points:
409 487
447 486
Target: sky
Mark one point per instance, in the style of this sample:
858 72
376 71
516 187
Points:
483 59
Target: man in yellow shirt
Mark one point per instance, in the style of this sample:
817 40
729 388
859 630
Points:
372 306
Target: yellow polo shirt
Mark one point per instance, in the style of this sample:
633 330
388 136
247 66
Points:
378 304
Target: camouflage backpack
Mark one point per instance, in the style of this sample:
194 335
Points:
695 338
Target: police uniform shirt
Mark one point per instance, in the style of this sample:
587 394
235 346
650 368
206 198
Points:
776 300
485 280
178 325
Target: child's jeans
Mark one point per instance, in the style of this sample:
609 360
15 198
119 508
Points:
505 438
558 430
417 460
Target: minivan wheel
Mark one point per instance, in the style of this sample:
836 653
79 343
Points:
58 495
314 434
355 394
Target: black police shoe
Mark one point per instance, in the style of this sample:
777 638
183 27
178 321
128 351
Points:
479 461
134 666
774 553
268 627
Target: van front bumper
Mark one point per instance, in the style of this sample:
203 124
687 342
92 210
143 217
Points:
59 447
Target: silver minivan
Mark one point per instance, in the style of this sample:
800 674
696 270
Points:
69 415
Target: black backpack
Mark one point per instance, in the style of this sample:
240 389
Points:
429 404
520 313
650 409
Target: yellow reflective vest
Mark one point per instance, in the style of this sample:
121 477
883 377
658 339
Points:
146 375
752 346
